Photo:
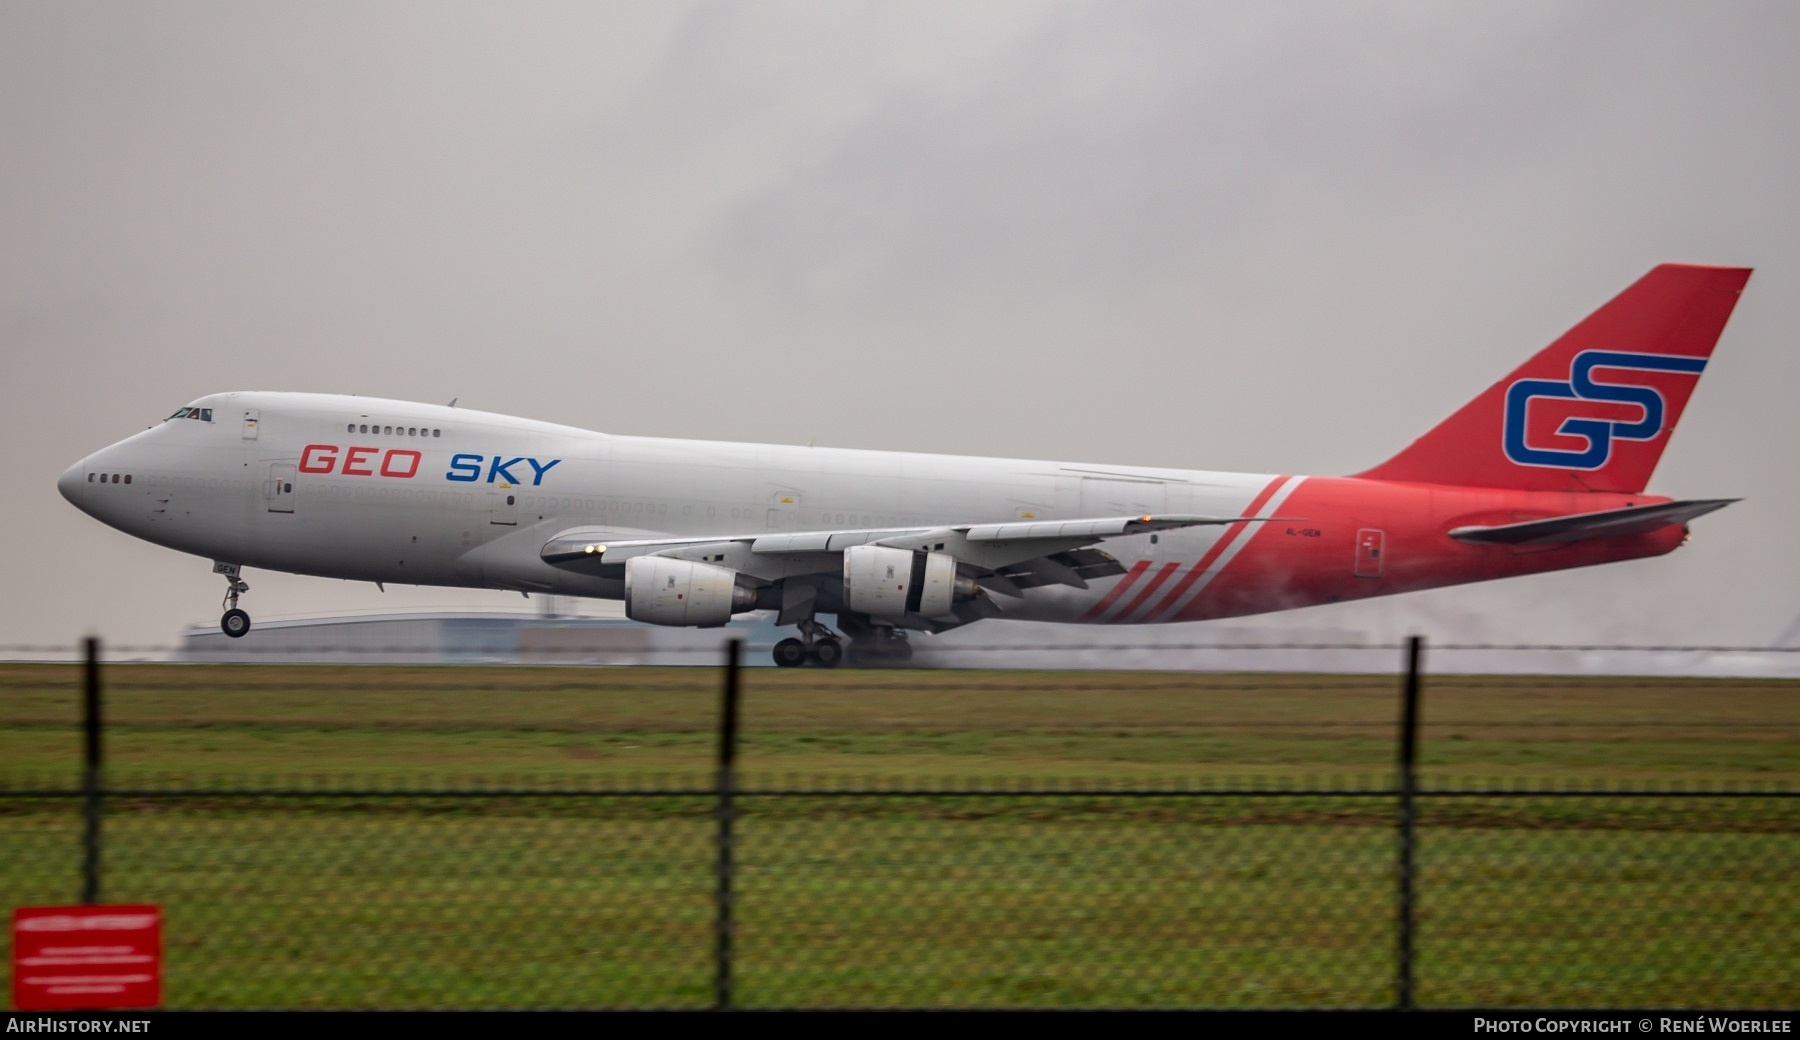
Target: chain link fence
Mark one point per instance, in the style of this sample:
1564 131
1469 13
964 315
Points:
1159 883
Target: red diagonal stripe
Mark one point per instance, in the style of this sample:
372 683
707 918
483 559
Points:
1131 576
1224 542
1162 575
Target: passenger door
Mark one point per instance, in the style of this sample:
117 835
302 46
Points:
784 510
1370 544
278 490
503 507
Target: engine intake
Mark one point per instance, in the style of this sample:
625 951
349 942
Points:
889 582
660 590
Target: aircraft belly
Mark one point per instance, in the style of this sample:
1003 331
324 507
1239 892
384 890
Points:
341 536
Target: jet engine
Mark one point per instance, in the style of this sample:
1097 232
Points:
664 591
889 582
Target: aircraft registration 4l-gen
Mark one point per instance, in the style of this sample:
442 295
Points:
1543 471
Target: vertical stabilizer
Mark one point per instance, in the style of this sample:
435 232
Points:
1593 410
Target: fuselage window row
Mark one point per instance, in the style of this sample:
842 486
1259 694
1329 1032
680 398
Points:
393 431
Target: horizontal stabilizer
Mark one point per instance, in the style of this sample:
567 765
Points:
1612 523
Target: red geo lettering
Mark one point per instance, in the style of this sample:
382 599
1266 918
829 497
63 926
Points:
326 458
352 456
388 467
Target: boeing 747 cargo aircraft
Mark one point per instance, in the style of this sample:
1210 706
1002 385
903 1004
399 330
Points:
1545 470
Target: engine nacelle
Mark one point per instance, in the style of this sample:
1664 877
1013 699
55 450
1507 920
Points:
664 591
888 582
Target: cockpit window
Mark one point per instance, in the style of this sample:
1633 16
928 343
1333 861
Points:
180 415
202 414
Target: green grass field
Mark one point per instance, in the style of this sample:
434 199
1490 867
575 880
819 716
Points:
601 725
992 900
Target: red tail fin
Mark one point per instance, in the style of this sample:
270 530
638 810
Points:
1594 410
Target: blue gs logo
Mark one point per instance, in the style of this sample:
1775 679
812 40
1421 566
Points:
1599 433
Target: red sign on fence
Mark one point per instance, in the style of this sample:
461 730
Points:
70 958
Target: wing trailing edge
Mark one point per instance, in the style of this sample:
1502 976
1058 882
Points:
586 543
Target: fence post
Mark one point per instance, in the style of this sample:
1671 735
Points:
1409 761
727 782
90 774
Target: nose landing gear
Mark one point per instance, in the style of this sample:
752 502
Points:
235 622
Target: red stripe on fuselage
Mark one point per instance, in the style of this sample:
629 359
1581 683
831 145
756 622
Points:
1282 567
1206 559
1149 590
1130 578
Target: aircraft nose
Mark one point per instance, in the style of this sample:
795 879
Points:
72 481
74 485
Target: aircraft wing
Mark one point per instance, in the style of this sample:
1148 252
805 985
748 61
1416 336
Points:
1611 523
1006 558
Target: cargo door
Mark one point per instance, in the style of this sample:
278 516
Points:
278 490
1370 545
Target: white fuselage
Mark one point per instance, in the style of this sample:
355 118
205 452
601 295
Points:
456 497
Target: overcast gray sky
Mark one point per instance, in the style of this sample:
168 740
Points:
1268 237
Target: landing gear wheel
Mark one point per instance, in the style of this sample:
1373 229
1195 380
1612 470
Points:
827 652
880 652
790 653
235 623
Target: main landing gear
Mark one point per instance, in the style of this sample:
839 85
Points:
235 623
817 645
874 645
870 646
883 648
